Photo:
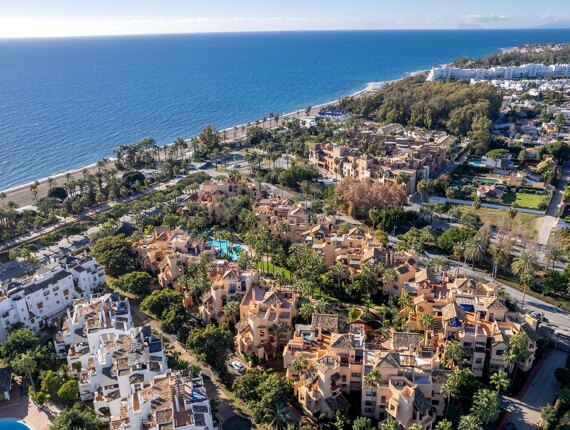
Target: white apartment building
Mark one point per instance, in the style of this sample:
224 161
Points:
40 300
533 71
123 370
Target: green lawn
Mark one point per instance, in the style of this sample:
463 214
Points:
524 200
271 269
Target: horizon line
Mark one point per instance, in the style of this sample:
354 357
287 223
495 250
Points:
279 31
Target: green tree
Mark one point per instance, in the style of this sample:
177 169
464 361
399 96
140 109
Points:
372 379
69 392
548 413
25 364
211 344
474 250
518 350
500 380
135 282
160 301
444 425
525 267
469 422
76 419
115 254
452 353
452 236
485 406
17 343
39 397
362 423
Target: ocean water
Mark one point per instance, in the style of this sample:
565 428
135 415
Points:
65 103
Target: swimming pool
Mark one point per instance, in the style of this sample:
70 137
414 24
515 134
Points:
477 163
12 424
226 248
485 180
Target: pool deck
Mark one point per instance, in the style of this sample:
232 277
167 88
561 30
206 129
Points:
21 408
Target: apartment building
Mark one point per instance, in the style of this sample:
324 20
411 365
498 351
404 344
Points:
525 71
404 160
167 253
409 384
260 311
123 370
228 283
40 300
212 191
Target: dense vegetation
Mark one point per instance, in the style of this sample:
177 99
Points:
460 108
517 58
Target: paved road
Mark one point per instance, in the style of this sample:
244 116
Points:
543 389
552 212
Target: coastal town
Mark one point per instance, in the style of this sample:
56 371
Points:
397 259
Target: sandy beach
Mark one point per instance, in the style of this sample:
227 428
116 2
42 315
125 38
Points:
22 196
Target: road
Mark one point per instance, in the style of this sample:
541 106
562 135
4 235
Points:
551 217
543 389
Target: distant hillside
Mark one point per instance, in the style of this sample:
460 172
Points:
517 58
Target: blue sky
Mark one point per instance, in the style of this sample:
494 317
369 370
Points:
37 18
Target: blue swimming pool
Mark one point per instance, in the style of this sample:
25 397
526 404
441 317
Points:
226 249
477 163
12 424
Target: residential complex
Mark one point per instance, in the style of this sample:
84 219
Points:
404 159
40 300
123 370
525 71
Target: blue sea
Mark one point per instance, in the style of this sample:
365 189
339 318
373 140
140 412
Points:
65 103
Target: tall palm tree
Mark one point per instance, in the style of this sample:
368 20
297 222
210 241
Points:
278 330
231 310
469 422
372 379
525 266
500 380
299 363
474 250
450 390
438 263
426 322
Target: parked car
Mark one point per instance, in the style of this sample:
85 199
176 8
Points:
238 366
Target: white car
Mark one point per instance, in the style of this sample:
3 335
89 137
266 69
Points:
238 366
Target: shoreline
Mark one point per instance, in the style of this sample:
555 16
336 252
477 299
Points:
21 195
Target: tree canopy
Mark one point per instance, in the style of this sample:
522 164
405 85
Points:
115 254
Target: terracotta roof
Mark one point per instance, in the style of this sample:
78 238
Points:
451 311
405 340
327 322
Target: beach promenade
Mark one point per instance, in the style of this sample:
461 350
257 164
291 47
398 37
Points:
22 195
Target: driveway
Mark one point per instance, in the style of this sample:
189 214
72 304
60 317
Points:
551 217
525 413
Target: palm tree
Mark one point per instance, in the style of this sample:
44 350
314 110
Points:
372 379
500 380
389 425
452 353
426 322
469 422
231 310
450 390
299 364
26 364
438 263
474 250
278 330
525 266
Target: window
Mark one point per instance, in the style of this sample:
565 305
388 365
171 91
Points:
500 352
467 344
371 393
355 375
478 360
383 400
